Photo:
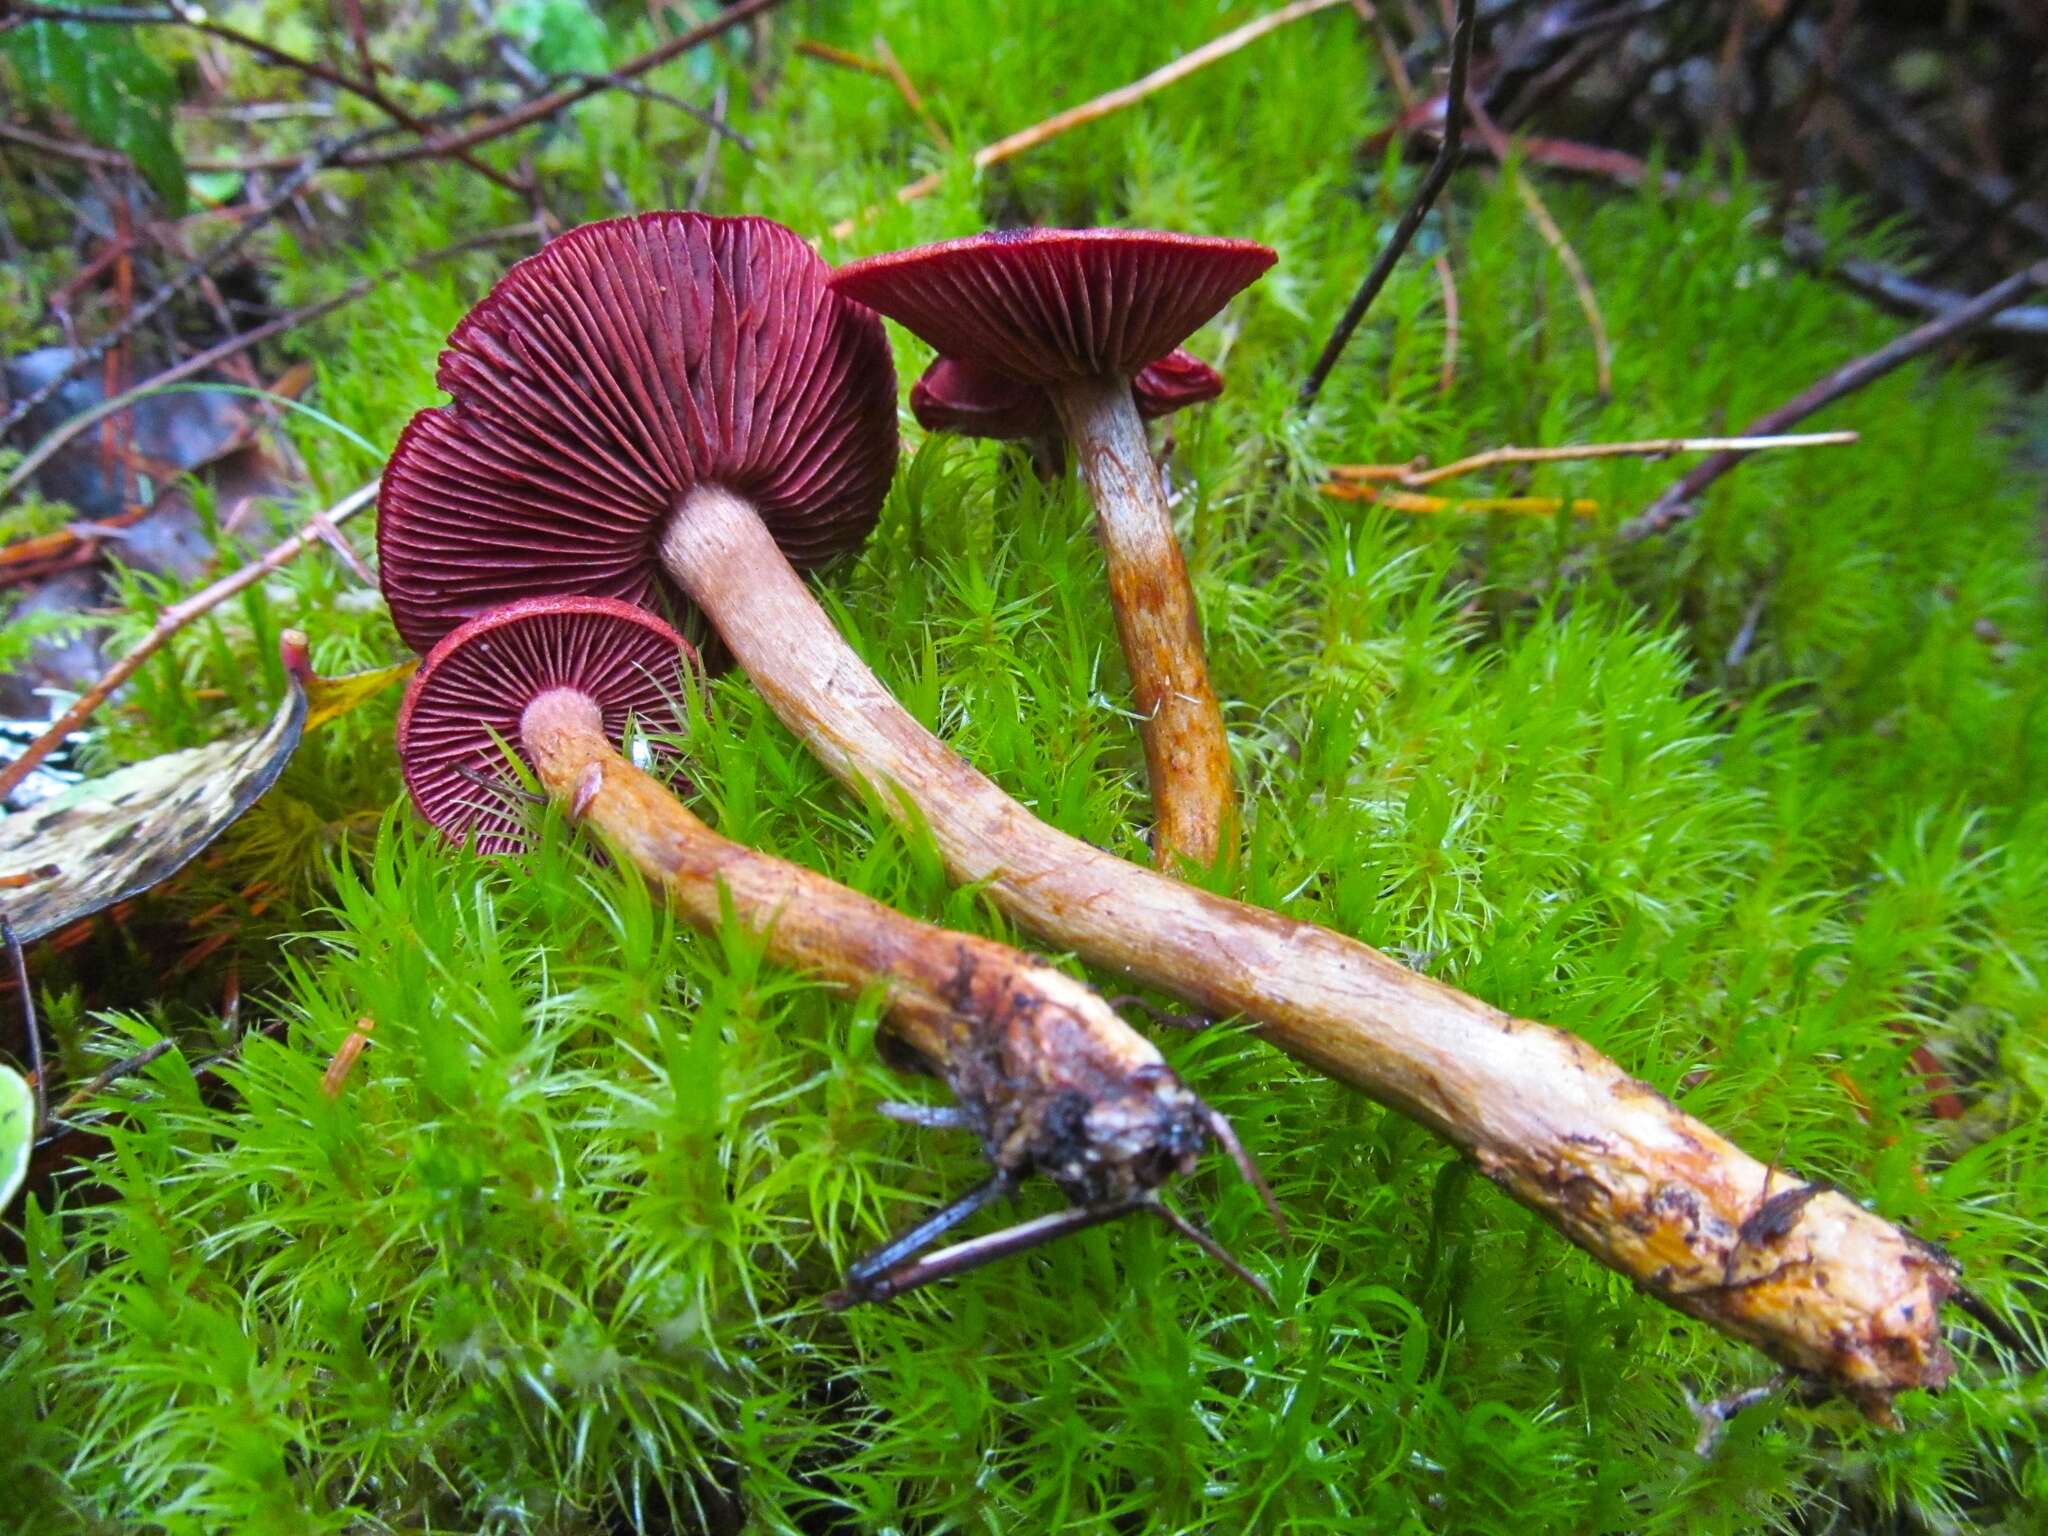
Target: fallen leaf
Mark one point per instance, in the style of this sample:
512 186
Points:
109 838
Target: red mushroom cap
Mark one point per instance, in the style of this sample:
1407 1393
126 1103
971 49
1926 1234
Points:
481 676
1049 306
600 381
953 396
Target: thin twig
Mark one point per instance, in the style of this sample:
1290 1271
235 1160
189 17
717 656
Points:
173 619
68 149
1411 220
714 121
29 1025
127 1066
899 77
1897 291
196 20
1568 258
1649 448
1681 501
1390 56
323 154
1103 105
1447 283
1430 506
199 362
539 108
708 163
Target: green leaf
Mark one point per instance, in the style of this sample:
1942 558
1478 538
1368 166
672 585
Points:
563 37
119 96
17 1132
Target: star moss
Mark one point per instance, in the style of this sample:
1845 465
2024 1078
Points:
1760 808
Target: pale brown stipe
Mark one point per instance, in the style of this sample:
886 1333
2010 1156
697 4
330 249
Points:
1081 312
1822 1285
1187 752
1045 1073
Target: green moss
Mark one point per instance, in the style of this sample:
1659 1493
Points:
550 1261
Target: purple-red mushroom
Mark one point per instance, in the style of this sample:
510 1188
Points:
569 461
1080 315
1041 1068
955 396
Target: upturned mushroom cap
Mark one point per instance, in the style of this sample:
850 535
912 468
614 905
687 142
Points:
465 702
955 396
1050 306
605 377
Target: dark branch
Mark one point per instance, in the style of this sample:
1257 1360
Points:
1681 501
1411 220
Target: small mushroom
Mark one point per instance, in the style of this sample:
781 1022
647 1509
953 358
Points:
565 464
1044 1072
1079 314
956 396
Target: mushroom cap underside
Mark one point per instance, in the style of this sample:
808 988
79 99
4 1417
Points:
956 396
600 381
1051 306
465 704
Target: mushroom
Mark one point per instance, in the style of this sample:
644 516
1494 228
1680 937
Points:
496 493
955 396
1043 1070
1079 313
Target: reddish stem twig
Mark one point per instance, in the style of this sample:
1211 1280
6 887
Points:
1102 106
195 20
173 619
1416 478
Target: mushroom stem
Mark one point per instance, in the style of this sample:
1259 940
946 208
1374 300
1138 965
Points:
1803 1272
1187 754
943 990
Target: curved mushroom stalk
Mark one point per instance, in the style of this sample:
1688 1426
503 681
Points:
1044 1072
1805 1273
1089 316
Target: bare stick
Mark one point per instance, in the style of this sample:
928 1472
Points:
1647 448
884 66
1895 290
197 21
212 257
1447 281
173 619
199 362
127 1066
29 1025
1582 285
1681 501
894 72
1411 219
540 108
1103 105
1431 506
